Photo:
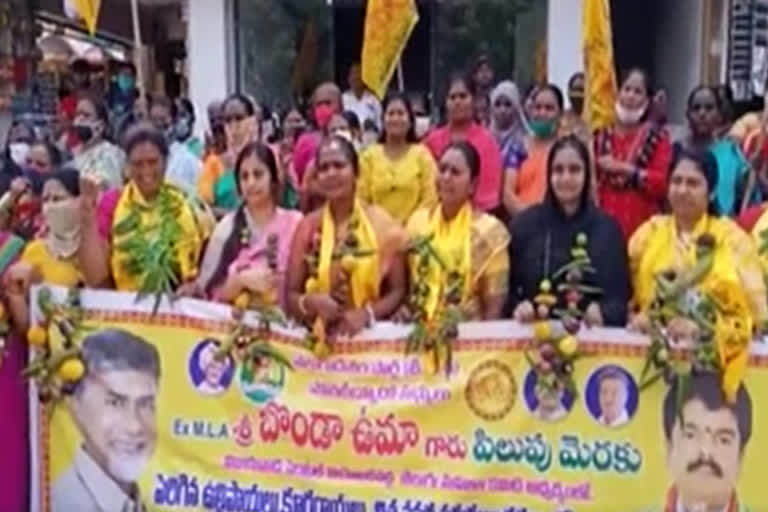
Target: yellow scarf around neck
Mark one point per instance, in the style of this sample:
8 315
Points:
451 240
364 279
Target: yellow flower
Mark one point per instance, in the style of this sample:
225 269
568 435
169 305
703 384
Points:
348 263
568 345
542 330
37 336
243 300
71 370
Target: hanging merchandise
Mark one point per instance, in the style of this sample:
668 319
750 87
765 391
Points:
748 48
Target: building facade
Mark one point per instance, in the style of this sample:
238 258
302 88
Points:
278 50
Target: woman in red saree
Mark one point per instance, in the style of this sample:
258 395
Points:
633 157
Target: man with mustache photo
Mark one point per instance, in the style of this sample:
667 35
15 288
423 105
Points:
706 444
113 407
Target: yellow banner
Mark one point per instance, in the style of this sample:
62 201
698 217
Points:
88 10
388 25
158 420
599 68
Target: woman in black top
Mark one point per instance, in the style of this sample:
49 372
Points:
544 235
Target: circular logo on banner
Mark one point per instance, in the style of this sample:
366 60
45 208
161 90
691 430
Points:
491 390
209 374
260 381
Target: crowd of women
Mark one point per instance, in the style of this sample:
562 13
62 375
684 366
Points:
321 220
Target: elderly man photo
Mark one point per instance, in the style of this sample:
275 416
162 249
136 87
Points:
613 395
114 410
706 442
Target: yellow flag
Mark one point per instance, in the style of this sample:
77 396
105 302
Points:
599 71
89 11
388 25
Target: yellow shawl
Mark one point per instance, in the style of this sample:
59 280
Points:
471 246
656 247
378 239
187 250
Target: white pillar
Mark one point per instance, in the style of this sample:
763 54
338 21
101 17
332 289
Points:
208 58
565 55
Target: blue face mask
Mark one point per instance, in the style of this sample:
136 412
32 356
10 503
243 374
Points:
183 128
126 83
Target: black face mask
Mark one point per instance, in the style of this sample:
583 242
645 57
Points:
84 132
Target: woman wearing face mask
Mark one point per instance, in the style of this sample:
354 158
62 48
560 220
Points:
704 120
526 170
20 137
20 186
461 125
326 101
249 248
26 216
398 173
670 243
150 215
365 281
53 258
544 234
216 185
184 128
632 157
183 167
96 157
472 245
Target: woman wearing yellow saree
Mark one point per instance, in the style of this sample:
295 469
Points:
346 267
156 233
467 248
669 242
704 256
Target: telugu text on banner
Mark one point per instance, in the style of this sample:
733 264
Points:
366 430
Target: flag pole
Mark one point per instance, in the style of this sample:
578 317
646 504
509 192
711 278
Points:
400 79
137 45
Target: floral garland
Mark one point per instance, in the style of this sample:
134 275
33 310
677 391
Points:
252 346
433 338
151 250
57 369
556 348
347 254
720 332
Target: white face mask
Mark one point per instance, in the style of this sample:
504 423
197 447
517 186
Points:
422 125
630 116
63 221
19 152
